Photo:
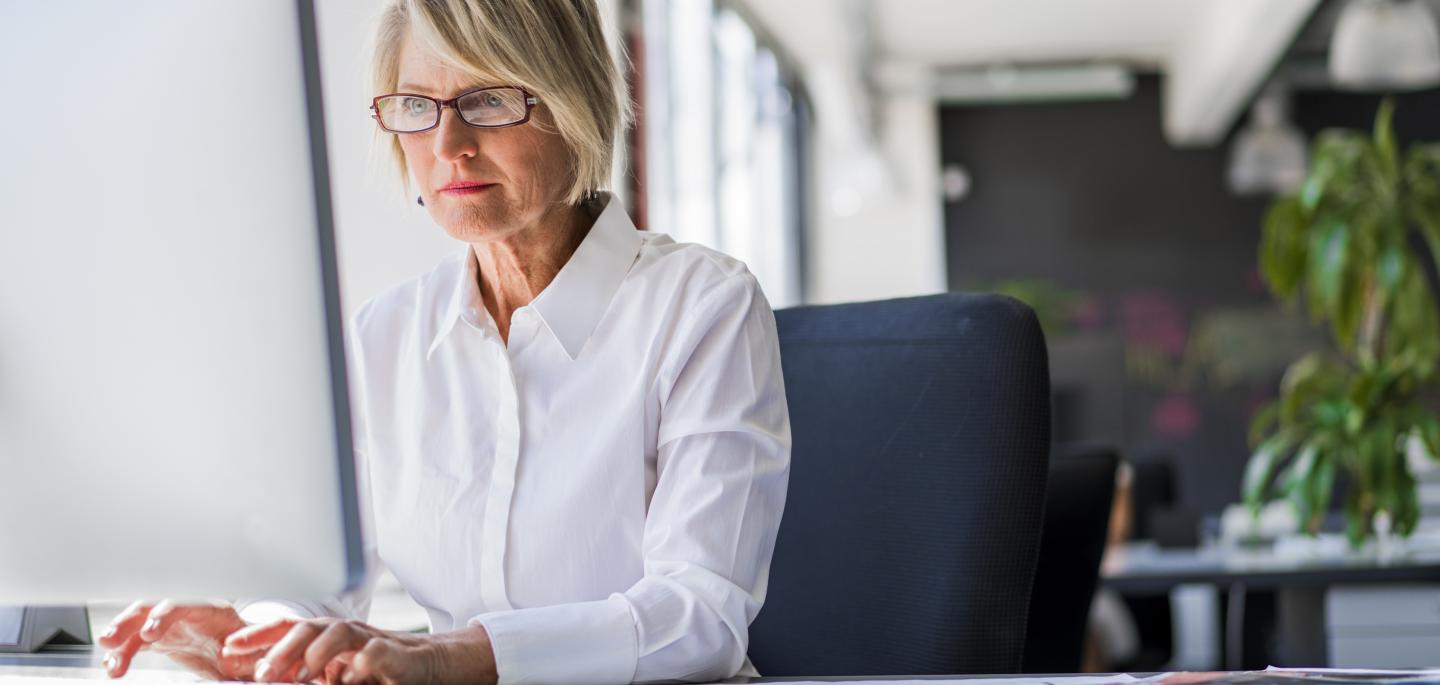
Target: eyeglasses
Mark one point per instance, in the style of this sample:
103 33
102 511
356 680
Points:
494 107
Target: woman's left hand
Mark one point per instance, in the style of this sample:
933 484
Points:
335 651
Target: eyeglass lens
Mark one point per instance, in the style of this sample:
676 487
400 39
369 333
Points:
490 107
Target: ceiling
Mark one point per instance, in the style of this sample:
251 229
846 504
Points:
1214 55
982 32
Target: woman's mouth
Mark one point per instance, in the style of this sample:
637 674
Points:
465 187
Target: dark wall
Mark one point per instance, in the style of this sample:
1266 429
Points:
1165 341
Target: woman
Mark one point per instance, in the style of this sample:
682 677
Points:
572 436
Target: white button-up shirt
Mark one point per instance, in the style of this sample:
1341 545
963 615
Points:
602 493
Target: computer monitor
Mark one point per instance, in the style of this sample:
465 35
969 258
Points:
173 414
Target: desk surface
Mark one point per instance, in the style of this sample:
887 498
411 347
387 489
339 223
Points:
1144 568
33 673
81 663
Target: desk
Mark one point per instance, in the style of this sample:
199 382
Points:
1145 568
1300 583
34 675
83 663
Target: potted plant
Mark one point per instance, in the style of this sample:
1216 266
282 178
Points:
1351 244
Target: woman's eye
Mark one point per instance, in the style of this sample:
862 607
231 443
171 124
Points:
493 100
415 105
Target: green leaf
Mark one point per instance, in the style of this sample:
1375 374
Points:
1264 421
1298 478
1407 513
1385 138
1428 427
1412 335
1261 469
1388 462
1310 481
1336 415
1365 471
1313 189
1322 489
1341 159
1327 256
1308 383
1348 312
1364 388
1282 247
1390 269
1422 180
1357 518
1428 219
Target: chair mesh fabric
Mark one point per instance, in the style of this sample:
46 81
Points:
910 536
1078 496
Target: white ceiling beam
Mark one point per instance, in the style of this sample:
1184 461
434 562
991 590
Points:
1223 61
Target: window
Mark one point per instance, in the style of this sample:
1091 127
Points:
719 151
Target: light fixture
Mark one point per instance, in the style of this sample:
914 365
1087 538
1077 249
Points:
955 182
1385 45
1269 154
1005 84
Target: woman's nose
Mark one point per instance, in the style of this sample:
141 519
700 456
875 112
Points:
453 137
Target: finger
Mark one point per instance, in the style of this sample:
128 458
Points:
283 657
236 664
257 638
338 638
117 662
375 663
126 623
337 667
162 616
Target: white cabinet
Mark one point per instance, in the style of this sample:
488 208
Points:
1383 626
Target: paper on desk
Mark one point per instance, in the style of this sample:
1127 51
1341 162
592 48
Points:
1370 674
1019 680
1301 676
1356 671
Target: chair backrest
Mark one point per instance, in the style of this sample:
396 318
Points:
921 436
1078 497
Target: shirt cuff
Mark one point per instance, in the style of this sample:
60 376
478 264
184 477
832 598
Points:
583 642
269 610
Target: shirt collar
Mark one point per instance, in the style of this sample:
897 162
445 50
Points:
572 305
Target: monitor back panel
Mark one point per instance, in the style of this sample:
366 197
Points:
172 416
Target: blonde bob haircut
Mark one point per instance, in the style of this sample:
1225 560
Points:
555 49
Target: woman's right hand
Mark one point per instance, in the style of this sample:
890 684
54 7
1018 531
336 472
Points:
190 634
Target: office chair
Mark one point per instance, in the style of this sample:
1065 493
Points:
1078 498
921 436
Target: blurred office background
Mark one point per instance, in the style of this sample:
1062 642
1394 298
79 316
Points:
1095 158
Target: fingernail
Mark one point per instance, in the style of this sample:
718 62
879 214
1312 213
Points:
262 669
347 676
302 675
109 662
109 633
150 625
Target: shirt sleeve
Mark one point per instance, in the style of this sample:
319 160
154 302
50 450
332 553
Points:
356 603
723 465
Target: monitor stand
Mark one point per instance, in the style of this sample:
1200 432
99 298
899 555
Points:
29 629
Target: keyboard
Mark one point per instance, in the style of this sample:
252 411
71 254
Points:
40 675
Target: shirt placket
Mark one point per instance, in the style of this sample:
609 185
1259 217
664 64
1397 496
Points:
502 484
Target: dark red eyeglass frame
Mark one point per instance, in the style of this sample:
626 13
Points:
453 103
